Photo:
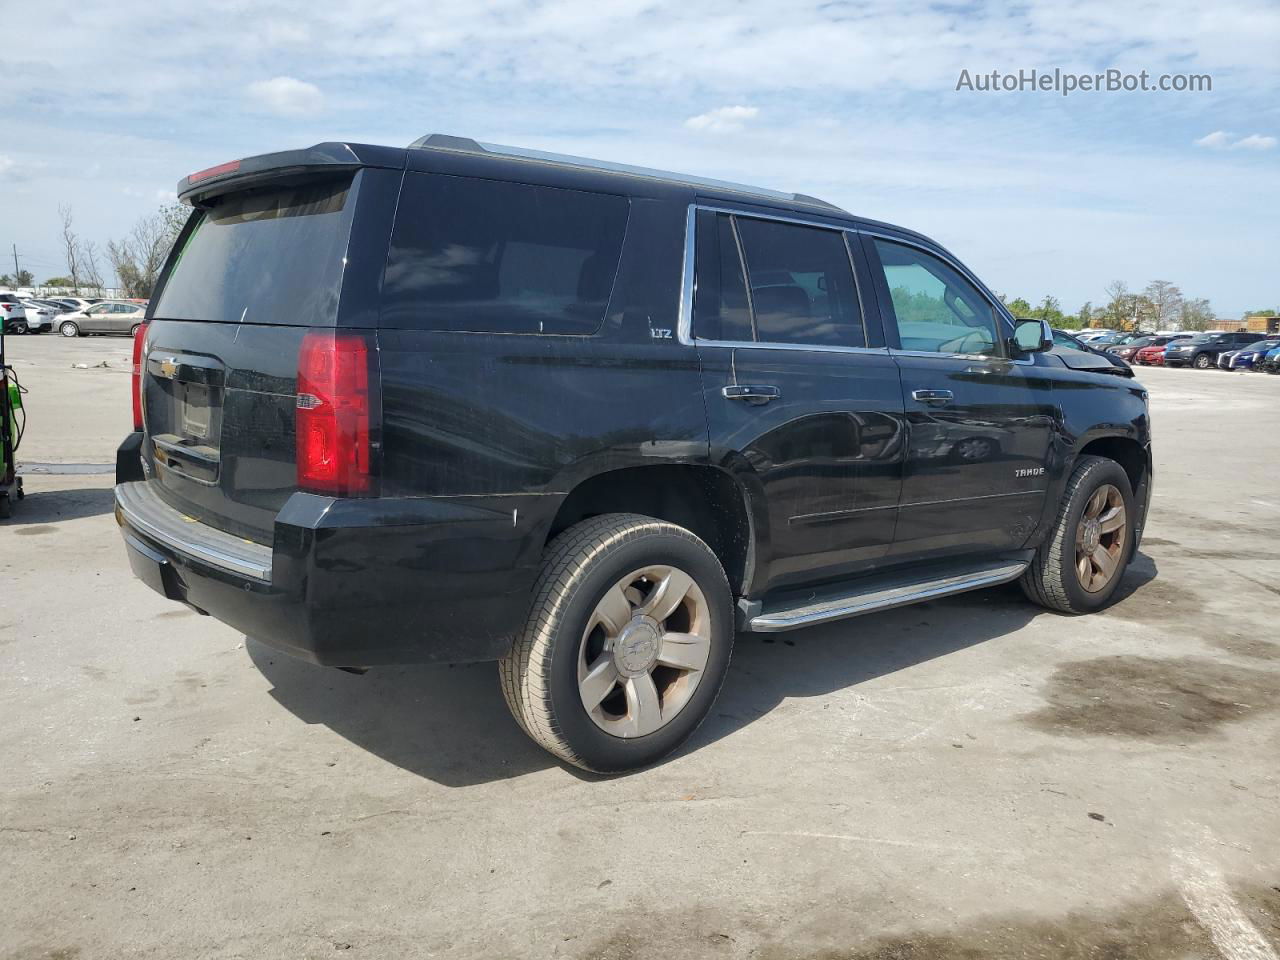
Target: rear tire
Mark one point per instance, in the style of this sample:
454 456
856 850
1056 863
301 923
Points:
18 327
69 328
133 331
1203 362
634 616
1068 573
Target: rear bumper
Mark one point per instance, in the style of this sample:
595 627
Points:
351 583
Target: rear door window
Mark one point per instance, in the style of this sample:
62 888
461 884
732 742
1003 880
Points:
801 284
497 257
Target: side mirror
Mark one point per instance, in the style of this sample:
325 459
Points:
1032 336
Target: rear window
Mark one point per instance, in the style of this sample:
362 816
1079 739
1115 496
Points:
496 257
271 255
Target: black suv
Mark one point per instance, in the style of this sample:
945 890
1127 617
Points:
464 402
1201 351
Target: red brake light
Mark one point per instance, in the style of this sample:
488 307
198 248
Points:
334 416
219 170
139 339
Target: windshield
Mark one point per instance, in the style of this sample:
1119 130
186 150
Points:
271 255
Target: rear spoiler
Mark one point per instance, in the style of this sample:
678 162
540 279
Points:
201 186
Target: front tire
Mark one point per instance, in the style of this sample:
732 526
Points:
69 328
1079 565
628 640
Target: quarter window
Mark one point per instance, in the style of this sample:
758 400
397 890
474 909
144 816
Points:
720 294
499 257
936 309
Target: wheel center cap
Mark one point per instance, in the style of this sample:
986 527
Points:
637 648
1092 535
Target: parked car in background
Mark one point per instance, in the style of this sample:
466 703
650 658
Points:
109 316
13 313
75 303
1268 362
1084 356
1246 357
1089 336
1151 355
1110 339
1201 350
39 316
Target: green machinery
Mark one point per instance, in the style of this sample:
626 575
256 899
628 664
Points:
12 421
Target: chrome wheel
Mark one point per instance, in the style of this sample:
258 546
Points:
1101 538
644 651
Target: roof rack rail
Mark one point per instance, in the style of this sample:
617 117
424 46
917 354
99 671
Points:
444 141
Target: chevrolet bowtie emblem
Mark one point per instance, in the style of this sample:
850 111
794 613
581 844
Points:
169 368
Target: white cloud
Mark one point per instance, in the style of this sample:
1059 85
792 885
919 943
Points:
1222 140
287 96
6 164
1254 141
1219 138
722 119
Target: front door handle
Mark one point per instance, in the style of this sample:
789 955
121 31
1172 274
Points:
754 394
938 397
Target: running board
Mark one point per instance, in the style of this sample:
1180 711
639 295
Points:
872 596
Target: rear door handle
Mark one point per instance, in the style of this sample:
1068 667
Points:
754 394
933 396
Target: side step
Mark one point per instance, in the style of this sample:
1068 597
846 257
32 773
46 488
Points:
873 594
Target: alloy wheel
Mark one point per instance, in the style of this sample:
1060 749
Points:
644 651
1101 538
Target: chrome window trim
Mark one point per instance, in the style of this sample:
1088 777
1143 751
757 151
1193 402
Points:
684 325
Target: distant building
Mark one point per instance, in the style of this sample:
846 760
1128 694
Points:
1269 323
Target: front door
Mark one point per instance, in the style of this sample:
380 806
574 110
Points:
796 398
980 422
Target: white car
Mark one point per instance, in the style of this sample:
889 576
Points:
40 319
75 303
12 313
109 316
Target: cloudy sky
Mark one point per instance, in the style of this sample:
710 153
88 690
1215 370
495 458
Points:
106 105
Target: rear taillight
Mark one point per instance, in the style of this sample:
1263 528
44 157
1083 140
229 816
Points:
334 414
139 339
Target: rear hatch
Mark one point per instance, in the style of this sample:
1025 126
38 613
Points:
256 269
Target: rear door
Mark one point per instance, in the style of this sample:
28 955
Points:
798 395
252 275
979 421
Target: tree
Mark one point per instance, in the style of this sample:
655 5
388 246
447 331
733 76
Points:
1050 311
1166 298
58 282
70 246
1196 315
138 258
1086 313
22 278
1263 313
1118 309
1020 307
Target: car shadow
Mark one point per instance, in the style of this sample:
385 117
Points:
450 724
53 506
